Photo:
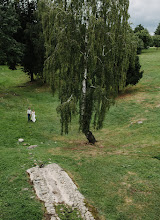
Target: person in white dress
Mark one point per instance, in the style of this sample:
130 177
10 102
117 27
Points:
33 117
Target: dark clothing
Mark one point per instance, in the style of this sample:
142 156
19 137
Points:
29 117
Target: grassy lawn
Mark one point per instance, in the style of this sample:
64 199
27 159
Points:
119 176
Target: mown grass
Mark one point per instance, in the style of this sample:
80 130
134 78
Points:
119 175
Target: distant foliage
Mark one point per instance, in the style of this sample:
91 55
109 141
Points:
144 38
139 28
140 46
157 32
10 49
156 41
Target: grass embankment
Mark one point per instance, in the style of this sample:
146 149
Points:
120 175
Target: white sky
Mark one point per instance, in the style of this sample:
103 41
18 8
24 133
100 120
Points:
146 13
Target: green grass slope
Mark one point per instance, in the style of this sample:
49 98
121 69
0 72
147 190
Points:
119 176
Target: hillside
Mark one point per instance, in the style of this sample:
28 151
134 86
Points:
119 176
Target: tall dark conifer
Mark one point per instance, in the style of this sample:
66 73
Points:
30 35
10 49
157 31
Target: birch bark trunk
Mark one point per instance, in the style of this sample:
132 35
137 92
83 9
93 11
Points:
84 124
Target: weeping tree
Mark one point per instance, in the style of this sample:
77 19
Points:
88 50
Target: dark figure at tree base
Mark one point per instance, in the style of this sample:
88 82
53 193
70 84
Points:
90 137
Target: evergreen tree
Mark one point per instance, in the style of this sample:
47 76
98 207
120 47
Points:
88 45
10 49
30 35
134 74
157 32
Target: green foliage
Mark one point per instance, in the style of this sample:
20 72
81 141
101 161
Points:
67 213
21 38
10 49
140 46
88 46
157 32
134 74
156 40
157 157
139 28
66 110
30 34
144 35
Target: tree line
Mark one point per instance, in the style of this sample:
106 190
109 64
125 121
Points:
21 37
145 40
85 50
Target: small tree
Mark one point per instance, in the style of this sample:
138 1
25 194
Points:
157 32
144 38
134 74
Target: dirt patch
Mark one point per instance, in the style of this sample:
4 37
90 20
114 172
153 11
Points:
128 92
128 200
67 139
43 89
119 152
133 93
12 179
137 121
79 149
2 95
133 191
7 94
131 173
126 184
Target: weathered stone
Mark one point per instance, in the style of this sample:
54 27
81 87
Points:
20 140
25 189
53 186
32 146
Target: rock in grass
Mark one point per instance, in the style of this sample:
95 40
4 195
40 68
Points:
32 146
54 186
20 140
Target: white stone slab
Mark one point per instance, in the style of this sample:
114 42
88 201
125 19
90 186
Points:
53 186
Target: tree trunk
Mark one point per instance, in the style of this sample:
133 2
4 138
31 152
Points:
31 74
84 126
90 137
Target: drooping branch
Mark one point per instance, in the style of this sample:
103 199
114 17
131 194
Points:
89 43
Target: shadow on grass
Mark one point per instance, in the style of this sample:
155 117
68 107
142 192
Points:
129 91
156 157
